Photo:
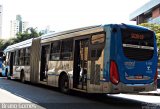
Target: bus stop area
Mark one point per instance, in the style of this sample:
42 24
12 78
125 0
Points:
156 93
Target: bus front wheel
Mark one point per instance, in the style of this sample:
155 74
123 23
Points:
64 84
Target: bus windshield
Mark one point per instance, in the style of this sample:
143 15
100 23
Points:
138 45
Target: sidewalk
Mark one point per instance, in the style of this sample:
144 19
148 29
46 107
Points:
155 93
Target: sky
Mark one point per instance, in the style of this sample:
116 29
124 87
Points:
67 14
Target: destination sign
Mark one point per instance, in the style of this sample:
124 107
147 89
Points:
137 36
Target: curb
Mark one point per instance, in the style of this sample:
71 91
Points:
155 93
151 94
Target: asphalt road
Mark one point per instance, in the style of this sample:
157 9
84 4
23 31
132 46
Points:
18 95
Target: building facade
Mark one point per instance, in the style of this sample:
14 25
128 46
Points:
17 26
1 13
149 12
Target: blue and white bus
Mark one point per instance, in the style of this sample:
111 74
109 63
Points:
113 58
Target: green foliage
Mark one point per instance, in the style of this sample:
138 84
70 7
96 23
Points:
29 33
155 28
4 44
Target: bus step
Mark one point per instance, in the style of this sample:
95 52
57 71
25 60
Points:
82 87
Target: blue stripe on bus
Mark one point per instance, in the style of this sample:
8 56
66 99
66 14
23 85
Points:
53 74
72 77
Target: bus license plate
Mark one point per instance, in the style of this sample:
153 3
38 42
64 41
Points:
139 89
138 77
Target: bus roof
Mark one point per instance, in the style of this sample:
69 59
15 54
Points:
55 36
68 34
68 31
138 27
71 33
19 45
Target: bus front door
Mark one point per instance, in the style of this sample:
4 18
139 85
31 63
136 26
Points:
80 64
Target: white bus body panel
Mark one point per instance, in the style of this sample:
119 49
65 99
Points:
17 72
55 68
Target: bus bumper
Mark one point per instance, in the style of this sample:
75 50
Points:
134 88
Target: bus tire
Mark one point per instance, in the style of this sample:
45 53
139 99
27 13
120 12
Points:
64 83
22 77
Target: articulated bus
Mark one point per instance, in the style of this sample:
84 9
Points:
113 58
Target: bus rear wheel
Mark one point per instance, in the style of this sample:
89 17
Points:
64 84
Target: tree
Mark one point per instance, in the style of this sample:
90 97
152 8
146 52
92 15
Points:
28 34
4 44
155 28
1 44
33 33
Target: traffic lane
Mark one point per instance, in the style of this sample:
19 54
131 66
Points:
38 93
49 97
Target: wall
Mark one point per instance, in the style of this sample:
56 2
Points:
156 13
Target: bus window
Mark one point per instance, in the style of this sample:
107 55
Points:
18 57
138 45
55 50
14 57
27 56
98 38
22 57
96 57
16 62
96 46
66 49
96 53
27 52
